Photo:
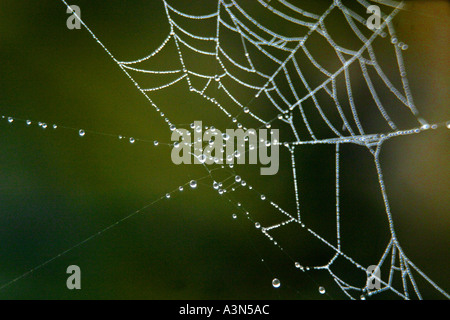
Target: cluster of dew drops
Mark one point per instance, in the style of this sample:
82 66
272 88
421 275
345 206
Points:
43 125
276 283
81 132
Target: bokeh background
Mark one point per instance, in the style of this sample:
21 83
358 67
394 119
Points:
57 189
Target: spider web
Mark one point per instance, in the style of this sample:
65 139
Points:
266 79
256 38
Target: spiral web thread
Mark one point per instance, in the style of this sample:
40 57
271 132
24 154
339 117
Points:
232 17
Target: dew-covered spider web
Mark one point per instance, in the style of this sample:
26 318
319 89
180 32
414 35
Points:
318 77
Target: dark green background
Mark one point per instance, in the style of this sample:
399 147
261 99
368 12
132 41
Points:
57 189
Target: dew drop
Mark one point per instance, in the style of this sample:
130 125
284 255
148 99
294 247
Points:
155 143
55 126
234 216
237 179
81 133
132 140
167 195
172 127
246 110
215 185
276 283
257 225
10 119
28 122
322 290
180 188
263 197
193 184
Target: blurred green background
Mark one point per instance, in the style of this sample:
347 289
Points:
57 189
